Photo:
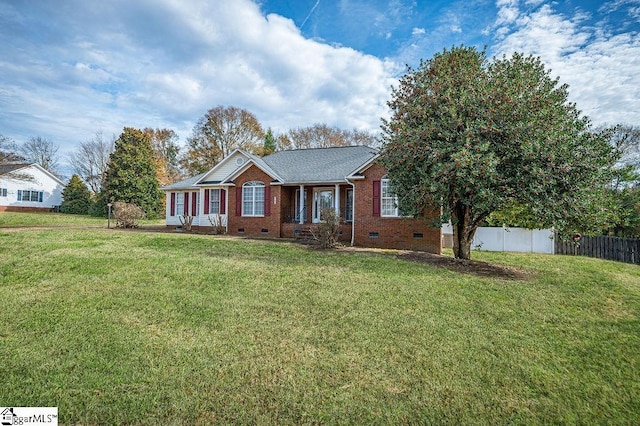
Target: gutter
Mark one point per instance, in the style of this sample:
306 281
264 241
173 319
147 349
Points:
353 211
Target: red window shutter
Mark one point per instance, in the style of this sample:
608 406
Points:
223 201
239 201
267 201
194 203
206 201
173 204
376 198
186 203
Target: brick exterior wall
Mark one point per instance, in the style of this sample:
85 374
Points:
254 226
370 231
389 232
26 209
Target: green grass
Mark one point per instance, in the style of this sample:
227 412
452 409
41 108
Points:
117 327
15 219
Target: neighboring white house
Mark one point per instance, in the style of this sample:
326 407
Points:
28 187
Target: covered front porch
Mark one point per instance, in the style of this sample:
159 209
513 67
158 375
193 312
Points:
302 208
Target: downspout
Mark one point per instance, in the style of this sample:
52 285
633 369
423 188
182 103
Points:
353 211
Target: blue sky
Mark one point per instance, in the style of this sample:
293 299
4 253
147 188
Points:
71 68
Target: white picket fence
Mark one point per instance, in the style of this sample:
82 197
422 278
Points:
508 239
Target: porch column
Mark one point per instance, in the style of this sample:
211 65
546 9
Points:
301 207
337 200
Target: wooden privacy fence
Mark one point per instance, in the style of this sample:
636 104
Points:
602 247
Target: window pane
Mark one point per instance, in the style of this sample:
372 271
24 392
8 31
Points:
259 191
247 208
385 188
348 206
388 207
258 208
388 199
214 201
179 204
253 199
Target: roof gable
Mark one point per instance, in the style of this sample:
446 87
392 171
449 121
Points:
226 167
20 167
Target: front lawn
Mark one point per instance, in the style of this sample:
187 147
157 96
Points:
19 219
116 327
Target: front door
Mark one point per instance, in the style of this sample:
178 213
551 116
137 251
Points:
322 199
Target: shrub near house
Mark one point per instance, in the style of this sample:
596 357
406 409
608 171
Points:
76 197
283 195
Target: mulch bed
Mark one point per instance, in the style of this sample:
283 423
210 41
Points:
475 267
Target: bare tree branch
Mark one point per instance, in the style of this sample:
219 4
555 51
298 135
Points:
90 160
323 136
41 151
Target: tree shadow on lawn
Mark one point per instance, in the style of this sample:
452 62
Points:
475 267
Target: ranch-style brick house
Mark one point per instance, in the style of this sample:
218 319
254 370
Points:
283 194
29 187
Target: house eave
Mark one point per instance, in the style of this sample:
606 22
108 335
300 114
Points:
363 167
314 183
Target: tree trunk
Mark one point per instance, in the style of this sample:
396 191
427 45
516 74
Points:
463 232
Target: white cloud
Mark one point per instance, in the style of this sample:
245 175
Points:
418 32
601 68
103 66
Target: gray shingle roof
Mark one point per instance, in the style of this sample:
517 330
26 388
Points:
189 183
302 166
12 167
264 166
318 164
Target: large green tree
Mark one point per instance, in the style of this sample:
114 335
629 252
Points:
476 136
76 197
131 174
624 189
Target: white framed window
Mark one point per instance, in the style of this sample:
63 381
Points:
348 206
30 196
388 200
253 199
214 201
3 192
179 203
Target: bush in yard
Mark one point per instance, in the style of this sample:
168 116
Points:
186 221
127 215
326 234
217 222
76 197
